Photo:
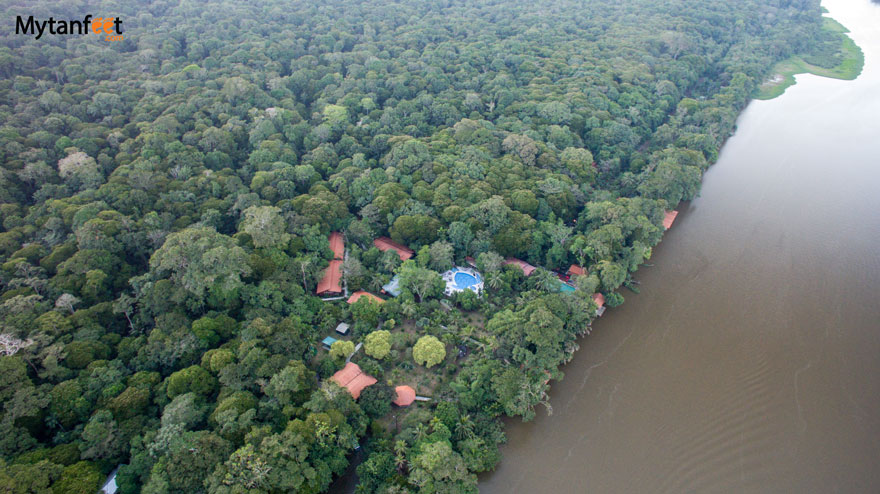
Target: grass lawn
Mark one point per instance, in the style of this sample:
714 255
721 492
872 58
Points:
783 73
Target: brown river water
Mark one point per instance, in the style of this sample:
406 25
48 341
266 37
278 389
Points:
750 361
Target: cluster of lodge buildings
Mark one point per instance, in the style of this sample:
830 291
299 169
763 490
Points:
352 378
598 298
331 283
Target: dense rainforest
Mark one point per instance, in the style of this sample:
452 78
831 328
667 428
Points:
166 200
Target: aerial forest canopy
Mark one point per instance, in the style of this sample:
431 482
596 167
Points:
166 201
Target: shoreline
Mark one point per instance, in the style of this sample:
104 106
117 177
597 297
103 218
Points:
784 72
782 78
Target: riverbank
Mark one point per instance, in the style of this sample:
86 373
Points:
748 362
783 72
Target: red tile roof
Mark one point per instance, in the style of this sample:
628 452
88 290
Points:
405 396
526 267
668 218
330 282
385 244
360 293
359 383
574 269
346 374
599 299
352 378
337 245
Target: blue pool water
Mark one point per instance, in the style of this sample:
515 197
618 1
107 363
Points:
465 280
565 287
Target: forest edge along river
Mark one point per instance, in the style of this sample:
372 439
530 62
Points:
749 361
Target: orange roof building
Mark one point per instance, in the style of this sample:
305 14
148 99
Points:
337 245
405 396
600 303
527 268
329 284
385 244
360 293
668 219
352 378
574 269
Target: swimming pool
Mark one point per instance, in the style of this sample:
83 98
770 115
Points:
458 279
465 280
565 287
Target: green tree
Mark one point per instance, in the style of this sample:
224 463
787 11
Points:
201 262
192 379
579 163
292 384
441 256
378 344
19 478
102 438
187 462
376 400
429 351
421 282
80 478
265 226
439 469
341 349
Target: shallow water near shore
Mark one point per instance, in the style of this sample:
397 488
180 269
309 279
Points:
750 361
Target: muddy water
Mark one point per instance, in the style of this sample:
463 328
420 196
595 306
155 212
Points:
750 362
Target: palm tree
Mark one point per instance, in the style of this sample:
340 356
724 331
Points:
545 280
409 308
494 279
420 432
375 284
465 429
400 456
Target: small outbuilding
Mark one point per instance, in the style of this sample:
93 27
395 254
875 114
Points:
599 299
405 396
360 294
575 270
328 342
668 219
109 486
392 287
342 328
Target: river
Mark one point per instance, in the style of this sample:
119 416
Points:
750 361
